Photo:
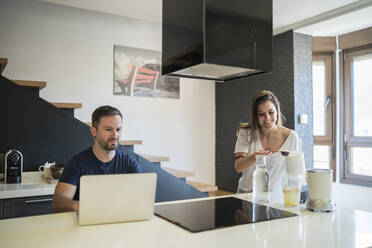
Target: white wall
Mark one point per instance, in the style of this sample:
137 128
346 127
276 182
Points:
72 50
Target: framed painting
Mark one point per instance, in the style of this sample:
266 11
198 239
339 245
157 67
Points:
137 73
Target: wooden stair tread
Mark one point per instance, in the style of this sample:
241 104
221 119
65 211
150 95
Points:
219 193
154 158
203 187
3 63
130 142
179 173
28 83
67 105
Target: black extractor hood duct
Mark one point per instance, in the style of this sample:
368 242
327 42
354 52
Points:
216 39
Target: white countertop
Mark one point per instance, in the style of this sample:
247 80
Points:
341 228
32 185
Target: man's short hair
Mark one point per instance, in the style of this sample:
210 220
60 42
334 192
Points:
104 111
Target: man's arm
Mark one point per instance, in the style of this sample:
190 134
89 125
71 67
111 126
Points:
63 198
131 164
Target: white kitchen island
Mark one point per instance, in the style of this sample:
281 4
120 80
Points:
341 228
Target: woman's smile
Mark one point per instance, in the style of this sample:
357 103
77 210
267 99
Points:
267 114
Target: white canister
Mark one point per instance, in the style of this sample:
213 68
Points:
320 189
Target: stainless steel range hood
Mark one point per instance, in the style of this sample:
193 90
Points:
216 39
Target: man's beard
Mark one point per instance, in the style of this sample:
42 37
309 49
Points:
108 147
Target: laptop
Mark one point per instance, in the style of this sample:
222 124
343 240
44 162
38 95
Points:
116 198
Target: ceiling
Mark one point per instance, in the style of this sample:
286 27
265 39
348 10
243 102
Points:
316 17
340 25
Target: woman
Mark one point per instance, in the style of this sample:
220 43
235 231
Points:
264 135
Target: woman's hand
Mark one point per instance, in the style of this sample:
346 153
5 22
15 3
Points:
261 152
243 161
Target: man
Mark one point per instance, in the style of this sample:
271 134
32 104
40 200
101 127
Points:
102 158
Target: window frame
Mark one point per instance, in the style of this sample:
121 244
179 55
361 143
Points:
349 141
328 57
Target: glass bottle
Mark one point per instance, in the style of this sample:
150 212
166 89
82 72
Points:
260 181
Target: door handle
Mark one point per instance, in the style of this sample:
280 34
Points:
329 98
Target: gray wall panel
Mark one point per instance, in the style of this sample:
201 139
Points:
304 93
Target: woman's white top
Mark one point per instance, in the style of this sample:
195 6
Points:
275 163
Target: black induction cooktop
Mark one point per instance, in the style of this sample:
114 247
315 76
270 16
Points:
211 214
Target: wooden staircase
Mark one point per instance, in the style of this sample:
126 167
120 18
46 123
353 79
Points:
180 174
36 86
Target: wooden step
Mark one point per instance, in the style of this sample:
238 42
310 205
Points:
203 187
67 105
154 158
130 142
179 173
3 63
219 193
28 83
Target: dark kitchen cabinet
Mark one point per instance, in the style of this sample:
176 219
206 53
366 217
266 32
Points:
1 209
26 206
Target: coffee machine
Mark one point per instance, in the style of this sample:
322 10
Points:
13 166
